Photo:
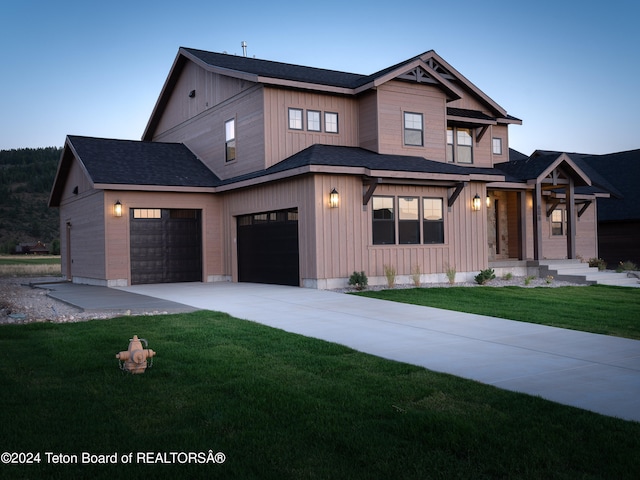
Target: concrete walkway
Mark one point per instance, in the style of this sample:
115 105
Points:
594 372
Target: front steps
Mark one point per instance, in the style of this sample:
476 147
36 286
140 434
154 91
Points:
576 271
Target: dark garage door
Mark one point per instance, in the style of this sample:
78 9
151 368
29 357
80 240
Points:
268 248
165 246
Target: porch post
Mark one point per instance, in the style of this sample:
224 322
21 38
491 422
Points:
537 222
522 225
571 219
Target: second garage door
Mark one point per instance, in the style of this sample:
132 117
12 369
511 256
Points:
268 248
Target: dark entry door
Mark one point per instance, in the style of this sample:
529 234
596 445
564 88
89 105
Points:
166 245
268 248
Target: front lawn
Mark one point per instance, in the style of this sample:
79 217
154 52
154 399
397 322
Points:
596 309
279 406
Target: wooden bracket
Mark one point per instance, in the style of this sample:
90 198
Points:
454 196
584 207
373 183
552 207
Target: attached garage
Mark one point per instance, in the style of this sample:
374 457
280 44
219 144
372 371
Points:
268 248
166 245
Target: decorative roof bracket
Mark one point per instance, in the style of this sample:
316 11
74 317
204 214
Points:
584 207
373 183
553 206
454 196
480 133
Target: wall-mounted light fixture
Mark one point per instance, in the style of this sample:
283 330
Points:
117 209
192 93
477 202
488 201
334 198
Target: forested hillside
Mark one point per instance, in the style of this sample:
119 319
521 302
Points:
26 178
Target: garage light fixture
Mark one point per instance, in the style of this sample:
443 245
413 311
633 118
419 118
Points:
334 198
117 209
477 203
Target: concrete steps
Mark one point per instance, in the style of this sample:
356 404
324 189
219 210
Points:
578 272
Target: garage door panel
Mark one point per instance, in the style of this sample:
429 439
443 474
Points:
268 248
166 249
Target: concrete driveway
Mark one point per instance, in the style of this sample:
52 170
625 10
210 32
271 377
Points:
594 372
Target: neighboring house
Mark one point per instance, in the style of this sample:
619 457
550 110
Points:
37 248
258 171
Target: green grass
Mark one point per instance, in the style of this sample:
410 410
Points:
279 406
597 309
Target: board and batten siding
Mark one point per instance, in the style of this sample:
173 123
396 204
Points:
344 241
118 229
282 142
294 193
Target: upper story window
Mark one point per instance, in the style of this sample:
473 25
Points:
313 121
230 139
295 118
459 145
413 129
496 146
330 122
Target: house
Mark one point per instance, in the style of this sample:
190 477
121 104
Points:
37 248
258 171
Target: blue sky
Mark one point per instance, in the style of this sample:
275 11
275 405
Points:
569 71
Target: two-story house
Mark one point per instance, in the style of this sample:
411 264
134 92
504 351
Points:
258 171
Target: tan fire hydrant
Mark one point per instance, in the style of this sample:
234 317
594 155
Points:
135 358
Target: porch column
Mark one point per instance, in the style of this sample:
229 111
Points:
537 222
571 220
522 225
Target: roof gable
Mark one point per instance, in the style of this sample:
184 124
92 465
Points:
427 68
108 162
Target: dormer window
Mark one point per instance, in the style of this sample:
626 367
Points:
295 118
459 145
413 129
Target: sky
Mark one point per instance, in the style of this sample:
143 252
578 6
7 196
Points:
571 72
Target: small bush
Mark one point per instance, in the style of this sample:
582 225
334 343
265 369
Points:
415 276
484 276
451 274
627 266
598 262
507 276
527 280
359 280
390 273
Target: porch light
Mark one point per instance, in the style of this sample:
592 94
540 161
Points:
117 209
477 202
488 201
334 198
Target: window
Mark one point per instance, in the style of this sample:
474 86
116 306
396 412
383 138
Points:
558 222
408 221
313 121
459 145
330 122
295 119
433 222
497 146
147 213
384 225
230 139
413 132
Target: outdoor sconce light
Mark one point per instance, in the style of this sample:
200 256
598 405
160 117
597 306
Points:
488 201
477 202
334 198
117 209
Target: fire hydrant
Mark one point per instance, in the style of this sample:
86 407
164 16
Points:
135 357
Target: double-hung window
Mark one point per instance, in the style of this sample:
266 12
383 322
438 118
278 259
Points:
230 140
558 222
408 220
433 220
295 118
459 145
313 121
496 144
413 129
384 221
330 122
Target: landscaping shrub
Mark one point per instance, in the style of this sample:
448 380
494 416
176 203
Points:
484 276
359 280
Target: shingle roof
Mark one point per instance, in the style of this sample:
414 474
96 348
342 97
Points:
621 169
285 71
131 162
337 156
